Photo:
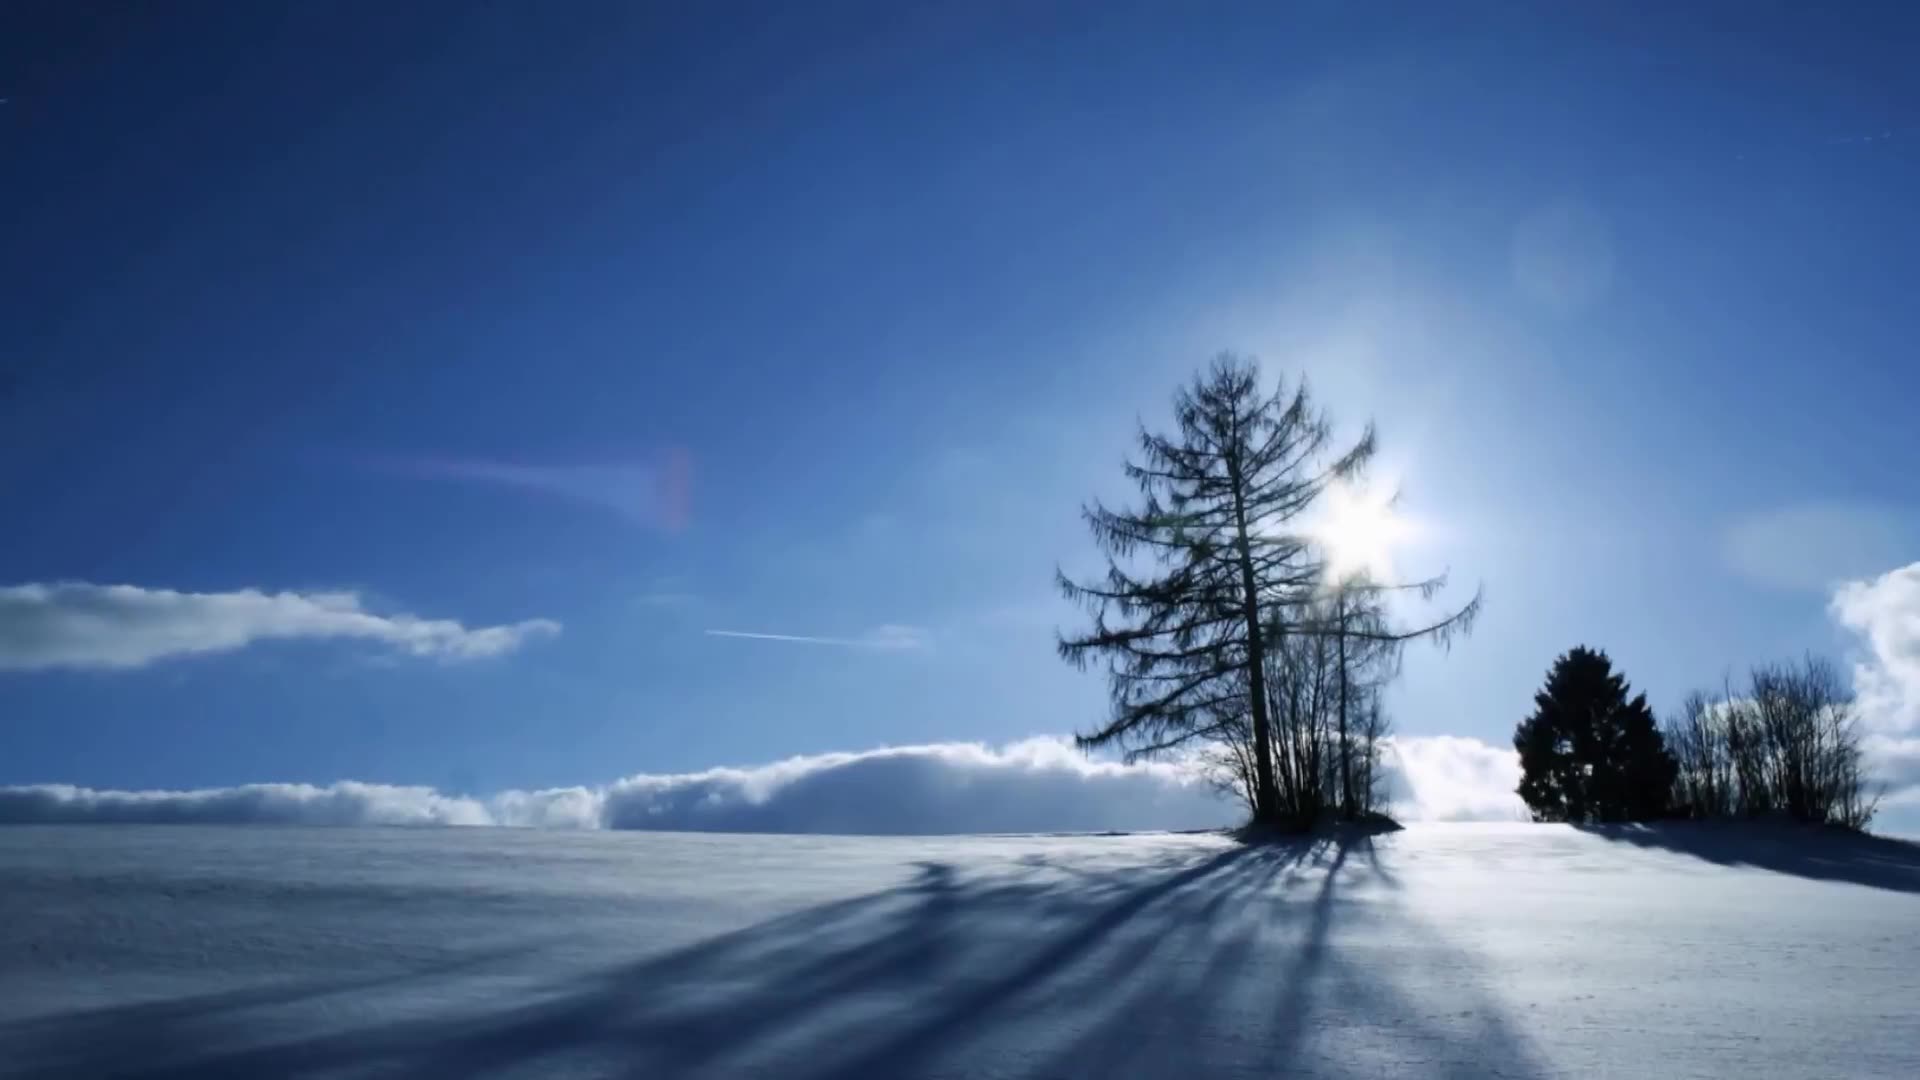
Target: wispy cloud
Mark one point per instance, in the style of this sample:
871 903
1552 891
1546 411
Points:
667 591
1036 785
890 636
1814 546
1882 135
654 491
74 624
666 599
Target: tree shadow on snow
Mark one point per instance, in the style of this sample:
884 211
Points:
1824 854
1246 959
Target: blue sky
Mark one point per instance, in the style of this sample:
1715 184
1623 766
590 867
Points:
611 325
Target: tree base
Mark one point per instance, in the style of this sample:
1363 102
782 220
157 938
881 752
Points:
1371 823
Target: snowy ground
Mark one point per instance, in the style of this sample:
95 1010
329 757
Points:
1458 951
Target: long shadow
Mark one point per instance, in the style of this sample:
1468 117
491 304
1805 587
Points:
907 1049
113 1039
1187 973
1482 1042
1823 854
1372 852
1051 970
1295 1011
220 1034
1304 971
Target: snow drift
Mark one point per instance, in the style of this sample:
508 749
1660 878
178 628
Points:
1039 785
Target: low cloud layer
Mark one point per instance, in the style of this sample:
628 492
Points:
344 803
80 625
1040 785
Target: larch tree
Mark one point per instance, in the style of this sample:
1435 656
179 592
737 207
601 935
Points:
1207 579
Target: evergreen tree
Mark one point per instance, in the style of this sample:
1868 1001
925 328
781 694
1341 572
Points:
1590 752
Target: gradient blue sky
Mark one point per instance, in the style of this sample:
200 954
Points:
822 319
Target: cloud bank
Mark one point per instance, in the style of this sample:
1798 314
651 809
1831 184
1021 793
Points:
1039 785
344 803
79 625
1450 778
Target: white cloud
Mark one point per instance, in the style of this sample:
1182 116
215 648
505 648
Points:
1450 778
80 625
1885 612
1039 785
888 637
1895 761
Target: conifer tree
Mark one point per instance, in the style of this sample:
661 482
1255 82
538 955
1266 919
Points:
1589 752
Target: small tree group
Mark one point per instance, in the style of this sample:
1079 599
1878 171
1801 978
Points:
1589 752
1787 745
1329 726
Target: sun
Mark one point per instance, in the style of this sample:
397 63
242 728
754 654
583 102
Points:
1359 530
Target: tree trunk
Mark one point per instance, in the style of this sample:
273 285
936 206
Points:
1267 804
1346 744
1266 807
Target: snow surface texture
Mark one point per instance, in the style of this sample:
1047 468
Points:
1040 785
1441 951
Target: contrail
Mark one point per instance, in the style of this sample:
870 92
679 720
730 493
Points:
885 637
800 638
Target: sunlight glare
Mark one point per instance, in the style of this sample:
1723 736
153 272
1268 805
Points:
1359 531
